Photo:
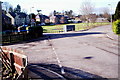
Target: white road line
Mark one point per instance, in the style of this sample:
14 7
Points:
109 37
58 60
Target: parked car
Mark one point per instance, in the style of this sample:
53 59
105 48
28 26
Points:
24 25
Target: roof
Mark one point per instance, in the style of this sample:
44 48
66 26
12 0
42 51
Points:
6 17
59 16
22 15
12 14
43 16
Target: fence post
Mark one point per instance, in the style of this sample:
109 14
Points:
12 63
23 36
10 39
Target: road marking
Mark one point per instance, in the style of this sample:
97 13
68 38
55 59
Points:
109 37
58 60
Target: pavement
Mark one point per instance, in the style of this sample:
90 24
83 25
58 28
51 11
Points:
109 32
113 36
91 51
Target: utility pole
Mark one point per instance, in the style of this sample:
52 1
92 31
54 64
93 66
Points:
1 38
111 13
1 23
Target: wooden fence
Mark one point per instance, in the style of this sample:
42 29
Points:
14 64
14 38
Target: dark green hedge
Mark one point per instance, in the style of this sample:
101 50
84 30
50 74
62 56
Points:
36 31
116 27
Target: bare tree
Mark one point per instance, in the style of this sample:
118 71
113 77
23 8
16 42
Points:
86 10
106 13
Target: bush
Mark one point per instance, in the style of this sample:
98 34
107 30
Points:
36 31
7 27
116 27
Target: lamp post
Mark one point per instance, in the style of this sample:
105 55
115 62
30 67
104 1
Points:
111 13
31 16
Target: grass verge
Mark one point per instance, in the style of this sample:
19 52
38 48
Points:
78 27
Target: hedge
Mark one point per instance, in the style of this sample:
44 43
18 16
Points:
36 31
116 27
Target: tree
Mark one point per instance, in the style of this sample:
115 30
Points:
92 18
17 9
10 9
86 9
117 12
54 12
83 18
5 6
69 13
106 13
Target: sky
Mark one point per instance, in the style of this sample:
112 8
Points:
48 6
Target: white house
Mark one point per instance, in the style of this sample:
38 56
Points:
12 15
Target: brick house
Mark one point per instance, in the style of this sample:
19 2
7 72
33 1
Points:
58 19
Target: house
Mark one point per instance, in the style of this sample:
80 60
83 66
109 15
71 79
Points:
21 19
58 19
18 19
6 22
5 19
77 19
12 15
100 19
42 19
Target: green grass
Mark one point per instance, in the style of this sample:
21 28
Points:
78 26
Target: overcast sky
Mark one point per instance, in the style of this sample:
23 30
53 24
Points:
48 6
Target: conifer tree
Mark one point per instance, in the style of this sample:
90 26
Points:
117 12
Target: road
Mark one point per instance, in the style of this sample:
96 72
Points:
90 51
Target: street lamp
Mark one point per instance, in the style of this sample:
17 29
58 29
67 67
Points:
111 12
31 15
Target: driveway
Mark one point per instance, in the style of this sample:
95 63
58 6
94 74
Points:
90 51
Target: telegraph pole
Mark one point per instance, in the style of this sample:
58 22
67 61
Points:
111 13
0 37
0 23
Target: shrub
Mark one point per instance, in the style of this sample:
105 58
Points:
7 27
36 31
116 27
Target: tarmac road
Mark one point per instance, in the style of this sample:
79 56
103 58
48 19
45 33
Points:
90 51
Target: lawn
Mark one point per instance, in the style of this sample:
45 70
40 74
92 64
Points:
78 27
